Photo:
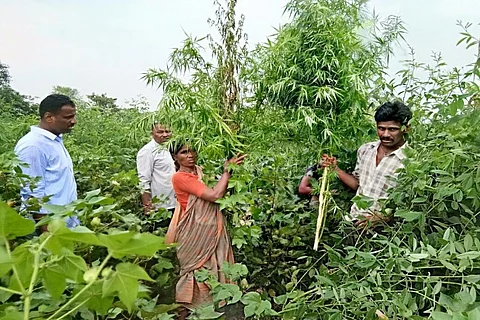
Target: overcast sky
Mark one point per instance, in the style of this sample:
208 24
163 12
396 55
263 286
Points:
104 46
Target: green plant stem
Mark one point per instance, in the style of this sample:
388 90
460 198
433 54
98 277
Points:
73 309
324 211
316 289
83 290
10 290
33 280
304 275
427 277
15 272
308 270
321 208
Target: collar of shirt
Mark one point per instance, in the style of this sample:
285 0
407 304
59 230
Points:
40 131
399 152
158 146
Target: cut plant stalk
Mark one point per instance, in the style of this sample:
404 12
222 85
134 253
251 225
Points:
322 208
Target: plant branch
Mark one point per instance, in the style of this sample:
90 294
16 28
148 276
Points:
15 272
321 208
73 309
10 291
83 290
33 280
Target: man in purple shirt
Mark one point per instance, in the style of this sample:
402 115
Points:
43 151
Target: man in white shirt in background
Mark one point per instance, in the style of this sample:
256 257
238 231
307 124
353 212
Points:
155 168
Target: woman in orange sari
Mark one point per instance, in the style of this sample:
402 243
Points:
198 227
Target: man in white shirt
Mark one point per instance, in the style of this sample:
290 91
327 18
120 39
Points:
155 168
377 162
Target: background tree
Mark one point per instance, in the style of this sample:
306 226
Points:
320 68
12 103
230 53
102 101
72 93
4 75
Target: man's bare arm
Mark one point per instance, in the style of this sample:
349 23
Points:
348 179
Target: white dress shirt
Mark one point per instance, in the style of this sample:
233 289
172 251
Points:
155 168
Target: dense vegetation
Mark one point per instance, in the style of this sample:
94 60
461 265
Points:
311 89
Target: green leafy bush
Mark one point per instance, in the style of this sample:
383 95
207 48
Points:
53 281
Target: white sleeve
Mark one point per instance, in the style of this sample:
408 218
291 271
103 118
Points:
145 168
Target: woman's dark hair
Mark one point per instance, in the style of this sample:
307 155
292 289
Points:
53 103
175 147
393 111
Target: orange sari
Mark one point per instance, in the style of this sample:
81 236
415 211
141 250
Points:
203 243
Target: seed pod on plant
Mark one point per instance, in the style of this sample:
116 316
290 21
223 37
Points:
90 275
106 272
244 283
96 221
381 315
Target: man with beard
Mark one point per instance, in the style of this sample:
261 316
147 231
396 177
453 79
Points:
377 162
47 159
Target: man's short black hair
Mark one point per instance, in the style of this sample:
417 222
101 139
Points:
53 103
393 111
156 123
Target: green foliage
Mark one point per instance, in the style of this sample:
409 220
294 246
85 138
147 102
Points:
230 54
111 167
42 266
356 272
319 61
308 90
13 104
256 306
5 77
424 264
11 178
206 312
104 157
11 218
203 124
230 293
